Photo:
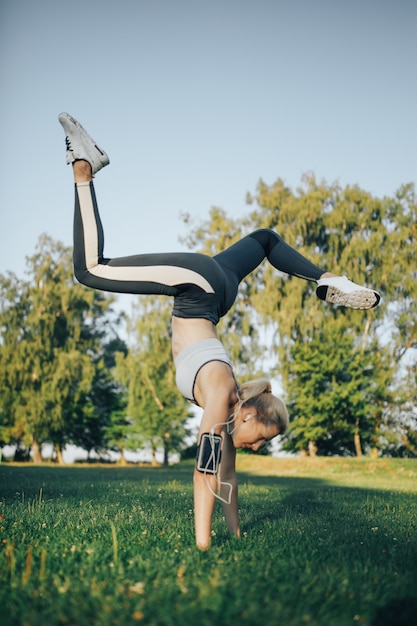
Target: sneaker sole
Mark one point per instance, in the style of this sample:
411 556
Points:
360 299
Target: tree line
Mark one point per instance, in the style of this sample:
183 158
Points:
348 377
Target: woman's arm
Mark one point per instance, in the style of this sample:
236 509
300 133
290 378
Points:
228 485
215 389
204 499
205 485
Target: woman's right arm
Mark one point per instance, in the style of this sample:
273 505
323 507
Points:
215 389
214 418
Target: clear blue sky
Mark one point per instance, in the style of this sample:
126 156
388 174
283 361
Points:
195 101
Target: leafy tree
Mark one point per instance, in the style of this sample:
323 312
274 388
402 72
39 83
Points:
51 330
341 230
156 411
334 399
345 230
399 426
104 405
120 434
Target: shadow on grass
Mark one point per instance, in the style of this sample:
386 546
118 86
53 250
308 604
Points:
55 480
378 527
397 612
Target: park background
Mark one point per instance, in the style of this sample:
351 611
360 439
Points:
200 106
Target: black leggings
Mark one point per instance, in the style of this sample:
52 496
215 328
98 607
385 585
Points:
202 286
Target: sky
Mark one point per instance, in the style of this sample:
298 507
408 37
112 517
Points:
195 102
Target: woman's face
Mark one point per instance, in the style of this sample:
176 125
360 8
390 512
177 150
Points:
251 434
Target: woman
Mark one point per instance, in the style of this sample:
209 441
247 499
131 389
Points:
204 288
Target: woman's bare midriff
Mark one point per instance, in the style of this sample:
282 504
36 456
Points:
186 331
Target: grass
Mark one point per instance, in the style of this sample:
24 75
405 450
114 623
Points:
326 542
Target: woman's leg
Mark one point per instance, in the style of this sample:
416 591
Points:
245 256
168 274
158 273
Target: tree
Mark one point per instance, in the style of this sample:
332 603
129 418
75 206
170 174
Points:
346 230
51 329
342 230
156 411
103 405
333 394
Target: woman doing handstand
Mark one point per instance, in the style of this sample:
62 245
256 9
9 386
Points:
204 288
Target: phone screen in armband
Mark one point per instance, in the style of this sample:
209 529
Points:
209 453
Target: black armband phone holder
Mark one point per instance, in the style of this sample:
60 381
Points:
209 453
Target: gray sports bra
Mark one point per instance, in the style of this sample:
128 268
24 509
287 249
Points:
189 362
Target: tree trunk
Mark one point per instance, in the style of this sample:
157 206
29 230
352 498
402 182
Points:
58 454
36 452
154 463
167 439
357 442
122 460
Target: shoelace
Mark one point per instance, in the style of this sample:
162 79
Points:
68 144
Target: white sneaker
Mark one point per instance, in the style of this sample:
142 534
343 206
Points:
80 146
341 290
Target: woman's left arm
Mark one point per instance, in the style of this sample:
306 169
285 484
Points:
228 485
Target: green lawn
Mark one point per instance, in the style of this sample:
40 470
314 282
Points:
326 542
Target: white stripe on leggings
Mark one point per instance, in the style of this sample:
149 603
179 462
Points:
163 274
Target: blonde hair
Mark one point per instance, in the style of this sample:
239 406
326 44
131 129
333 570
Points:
270 409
